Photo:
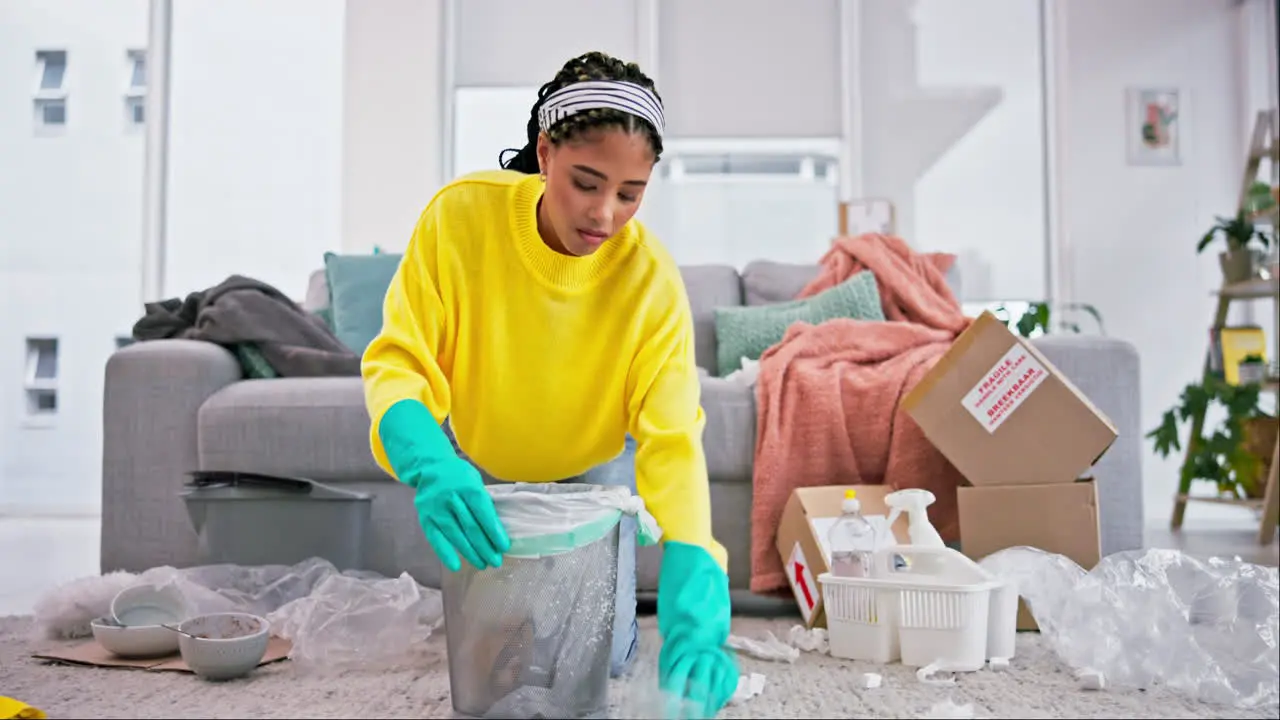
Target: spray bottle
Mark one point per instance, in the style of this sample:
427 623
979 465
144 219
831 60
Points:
914 502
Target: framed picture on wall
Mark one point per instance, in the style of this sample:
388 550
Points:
1153 125
867 215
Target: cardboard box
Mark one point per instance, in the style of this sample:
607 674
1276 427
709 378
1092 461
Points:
802 538
1023 436
1059 518
90 653
1004 415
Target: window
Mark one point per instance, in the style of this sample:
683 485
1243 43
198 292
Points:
41 380
135 92
50 90
732 201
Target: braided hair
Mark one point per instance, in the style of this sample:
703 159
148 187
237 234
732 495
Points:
589 66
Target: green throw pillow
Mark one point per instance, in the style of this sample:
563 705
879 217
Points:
254 363
747 331
357 287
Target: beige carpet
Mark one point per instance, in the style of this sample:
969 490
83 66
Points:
1036 685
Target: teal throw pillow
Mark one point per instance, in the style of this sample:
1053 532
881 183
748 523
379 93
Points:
357 287
747 331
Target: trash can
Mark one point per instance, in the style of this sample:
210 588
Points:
254 519
532 638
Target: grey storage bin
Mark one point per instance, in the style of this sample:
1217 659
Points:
253 519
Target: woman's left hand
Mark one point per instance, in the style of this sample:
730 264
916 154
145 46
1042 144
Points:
696 671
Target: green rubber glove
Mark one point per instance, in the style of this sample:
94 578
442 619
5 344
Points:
696 671
455 511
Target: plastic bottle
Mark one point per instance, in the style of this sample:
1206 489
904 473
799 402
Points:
914 502
853 540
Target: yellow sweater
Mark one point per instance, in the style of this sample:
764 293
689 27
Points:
544 362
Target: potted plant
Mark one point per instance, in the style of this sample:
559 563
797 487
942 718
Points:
1261 200
1036 321
1227 456
1240 235
1252 369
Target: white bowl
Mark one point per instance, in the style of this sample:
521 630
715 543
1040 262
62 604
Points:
149 605
145 641
226 646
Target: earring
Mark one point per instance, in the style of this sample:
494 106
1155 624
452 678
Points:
543 176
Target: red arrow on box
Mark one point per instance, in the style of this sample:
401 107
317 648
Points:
804 586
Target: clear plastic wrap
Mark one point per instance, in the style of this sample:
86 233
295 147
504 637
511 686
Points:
351 623
335 620
1157 617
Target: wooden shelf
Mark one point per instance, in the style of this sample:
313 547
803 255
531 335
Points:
1265 218
1264 143
1220 500
1251 289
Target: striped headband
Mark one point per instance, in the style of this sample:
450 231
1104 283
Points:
592 94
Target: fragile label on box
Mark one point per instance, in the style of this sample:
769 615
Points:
1004 387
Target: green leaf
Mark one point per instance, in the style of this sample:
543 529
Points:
1092 311
1165 435
1204 241
1036 318
1218 455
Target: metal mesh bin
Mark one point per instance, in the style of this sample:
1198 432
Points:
532 638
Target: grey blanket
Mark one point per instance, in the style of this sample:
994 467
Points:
241 310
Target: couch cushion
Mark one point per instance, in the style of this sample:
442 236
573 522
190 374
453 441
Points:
748 331
766 281
709 287
357 288
316 428
729 438
317 292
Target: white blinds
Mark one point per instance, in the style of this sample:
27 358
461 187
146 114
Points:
750 68
504 43
726 68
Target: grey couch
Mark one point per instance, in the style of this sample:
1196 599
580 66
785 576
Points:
173 406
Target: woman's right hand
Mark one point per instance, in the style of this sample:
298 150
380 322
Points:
455 511
457 514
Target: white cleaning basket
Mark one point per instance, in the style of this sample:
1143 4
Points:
922 606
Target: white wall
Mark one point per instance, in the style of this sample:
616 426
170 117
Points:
70 222
255 187
392 119
1130 232
984 197
255 144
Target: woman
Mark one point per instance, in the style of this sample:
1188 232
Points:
535 313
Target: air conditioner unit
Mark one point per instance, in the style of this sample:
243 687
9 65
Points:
752 167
